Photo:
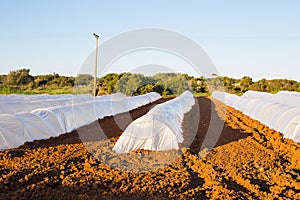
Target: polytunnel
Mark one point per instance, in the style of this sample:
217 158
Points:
118 106
12 107
269 112
288 99
274 119
35 129
17 129
83 114
221 96
228 99
153 96
12 132
102 110
136 101
64 115
262 112
156 135
240 104
115 96
159 129
75 116
186 101
30 117
296 135
284 97
291 127
50 120
280 111
232 99
250 106
289 93
255 94
286 117
257 109
43 104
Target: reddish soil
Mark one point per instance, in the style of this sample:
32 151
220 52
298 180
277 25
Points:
242 160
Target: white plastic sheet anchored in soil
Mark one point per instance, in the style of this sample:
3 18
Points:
27 118
159 129
280 111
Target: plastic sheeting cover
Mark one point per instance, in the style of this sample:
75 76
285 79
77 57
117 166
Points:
159 129
279 111
61 116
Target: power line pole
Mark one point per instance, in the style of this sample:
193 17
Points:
95 67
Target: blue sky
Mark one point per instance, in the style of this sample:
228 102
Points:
260 39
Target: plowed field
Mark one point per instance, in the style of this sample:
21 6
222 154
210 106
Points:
247 161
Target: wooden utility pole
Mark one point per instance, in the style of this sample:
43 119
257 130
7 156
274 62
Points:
95 67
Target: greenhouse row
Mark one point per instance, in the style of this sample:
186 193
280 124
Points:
159 129
280 111
42 123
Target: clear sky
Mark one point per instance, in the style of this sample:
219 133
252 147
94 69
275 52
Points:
258 38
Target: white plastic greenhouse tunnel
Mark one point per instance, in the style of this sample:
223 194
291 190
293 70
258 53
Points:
280 111
32 117
159 129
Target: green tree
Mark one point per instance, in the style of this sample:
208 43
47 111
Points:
108 83
129 83
144 89
245 83
173 83
19 77
261 85
83 79
3 81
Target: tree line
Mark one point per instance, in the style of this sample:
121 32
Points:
21 81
